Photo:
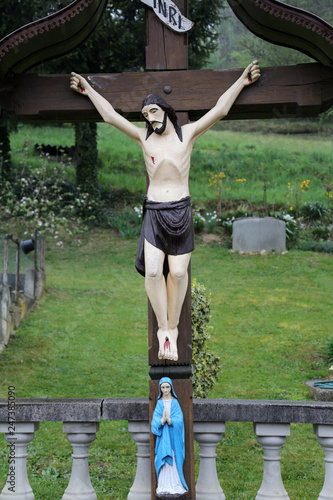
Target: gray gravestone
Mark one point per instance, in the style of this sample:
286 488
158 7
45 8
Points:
255 234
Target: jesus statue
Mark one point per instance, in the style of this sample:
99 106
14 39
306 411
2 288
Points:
167 228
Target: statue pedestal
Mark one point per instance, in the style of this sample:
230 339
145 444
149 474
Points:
184 496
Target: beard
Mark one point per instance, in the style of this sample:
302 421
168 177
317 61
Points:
162 128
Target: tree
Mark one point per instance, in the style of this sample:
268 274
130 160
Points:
207 16
5 156
86 156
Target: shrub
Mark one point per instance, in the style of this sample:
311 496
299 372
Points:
325 246
314 246
292 231
212 221
313 211
205 365
328 350
321 232
243 211
49 204
127 223
309 246
228 225
199 222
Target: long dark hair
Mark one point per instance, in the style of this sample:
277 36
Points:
156 99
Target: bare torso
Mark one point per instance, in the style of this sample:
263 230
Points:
167 161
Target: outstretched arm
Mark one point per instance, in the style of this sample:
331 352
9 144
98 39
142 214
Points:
105 109
223 105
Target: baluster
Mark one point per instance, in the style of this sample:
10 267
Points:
324 435
208 435
17 484
80 435
141 489
272 437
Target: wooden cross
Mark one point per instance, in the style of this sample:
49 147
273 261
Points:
168 51
303 90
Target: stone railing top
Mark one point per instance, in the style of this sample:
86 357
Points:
53 410
125 409
137 409
253 410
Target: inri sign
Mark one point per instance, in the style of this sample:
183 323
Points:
169 14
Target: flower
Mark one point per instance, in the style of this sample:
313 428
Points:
305 185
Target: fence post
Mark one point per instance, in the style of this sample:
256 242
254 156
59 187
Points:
141 489
272 437
80 435
208 435
5 260
17 484
324 435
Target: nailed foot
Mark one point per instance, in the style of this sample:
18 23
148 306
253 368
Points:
173 341
167 340
163 343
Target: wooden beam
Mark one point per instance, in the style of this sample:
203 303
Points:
290 91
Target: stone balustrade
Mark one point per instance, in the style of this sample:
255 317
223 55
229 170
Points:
81 418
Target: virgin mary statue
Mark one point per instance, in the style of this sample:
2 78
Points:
168 426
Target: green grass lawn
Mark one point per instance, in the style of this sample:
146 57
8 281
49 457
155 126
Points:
88 338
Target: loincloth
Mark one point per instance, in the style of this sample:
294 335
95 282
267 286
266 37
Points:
168 226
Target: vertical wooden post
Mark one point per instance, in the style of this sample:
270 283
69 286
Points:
167 50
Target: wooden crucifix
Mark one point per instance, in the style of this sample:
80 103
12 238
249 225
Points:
293 91
165 246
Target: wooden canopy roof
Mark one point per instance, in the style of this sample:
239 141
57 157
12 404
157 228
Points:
50 37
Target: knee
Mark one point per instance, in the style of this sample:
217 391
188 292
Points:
178 273
153 272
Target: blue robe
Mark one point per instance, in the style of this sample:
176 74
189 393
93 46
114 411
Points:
169 437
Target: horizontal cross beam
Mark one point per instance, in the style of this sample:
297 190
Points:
281 92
